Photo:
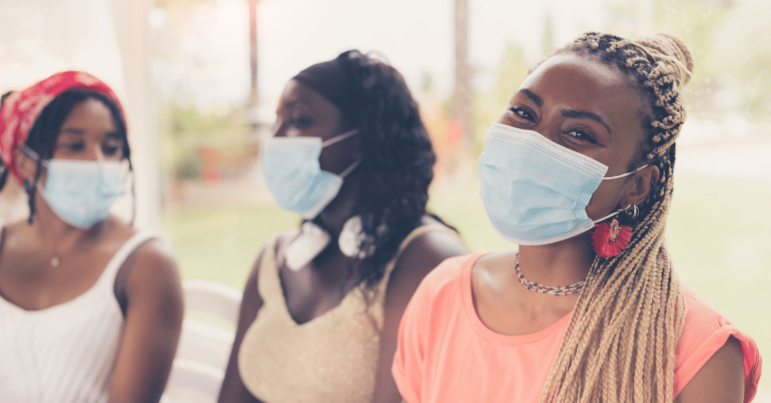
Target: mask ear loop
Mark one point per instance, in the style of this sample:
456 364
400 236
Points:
607 178
635 212
350 169
340 138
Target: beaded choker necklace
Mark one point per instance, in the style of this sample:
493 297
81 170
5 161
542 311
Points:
545 289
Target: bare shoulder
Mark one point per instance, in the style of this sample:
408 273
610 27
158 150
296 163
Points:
425 252
433 247
155 267
721 379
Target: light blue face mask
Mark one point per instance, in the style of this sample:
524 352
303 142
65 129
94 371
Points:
82 192
535 191
292 173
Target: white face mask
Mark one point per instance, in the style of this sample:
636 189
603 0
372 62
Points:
292 173
536 191
81 192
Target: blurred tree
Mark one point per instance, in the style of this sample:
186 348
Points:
731 47
488 105
253 96
462 95
548 36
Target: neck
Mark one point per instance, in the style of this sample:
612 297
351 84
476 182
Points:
57 236
560 264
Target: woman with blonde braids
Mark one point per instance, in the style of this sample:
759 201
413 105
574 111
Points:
578 170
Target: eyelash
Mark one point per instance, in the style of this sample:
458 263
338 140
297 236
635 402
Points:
583 136
586 137
109 150
519 111
300 123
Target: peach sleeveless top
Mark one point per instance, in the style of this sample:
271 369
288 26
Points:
446 354
332 358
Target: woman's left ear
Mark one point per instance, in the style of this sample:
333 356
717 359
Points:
641 185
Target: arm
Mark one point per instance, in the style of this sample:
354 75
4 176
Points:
418 259
233 389
720 380
153 322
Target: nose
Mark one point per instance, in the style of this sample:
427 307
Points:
278 129
94 152
549 127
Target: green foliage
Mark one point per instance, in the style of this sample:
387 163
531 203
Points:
548 36
189 130
189 122
698 24
487 106
731 45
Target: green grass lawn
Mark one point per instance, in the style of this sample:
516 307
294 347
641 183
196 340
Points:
718 235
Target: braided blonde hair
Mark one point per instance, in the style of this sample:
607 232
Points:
620 343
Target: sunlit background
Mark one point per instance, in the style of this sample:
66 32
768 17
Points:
185 70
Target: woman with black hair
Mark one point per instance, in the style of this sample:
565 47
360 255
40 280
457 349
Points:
90 307
322 305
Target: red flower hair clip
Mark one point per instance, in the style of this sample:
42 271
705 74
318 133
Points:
609 240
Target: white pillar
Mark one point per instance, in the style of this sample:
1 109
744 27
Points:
131 23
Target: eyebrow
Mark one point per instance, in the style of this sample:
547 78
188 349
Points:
570 113
295 102
535 98
71 130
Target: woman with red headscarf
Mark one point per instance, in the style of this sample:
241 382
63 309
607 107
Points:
90 307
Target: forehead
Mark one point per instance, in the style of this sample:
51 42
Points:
296 93
90 112
577 82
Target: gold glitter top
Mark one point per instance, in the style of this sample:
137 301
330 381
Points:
332 358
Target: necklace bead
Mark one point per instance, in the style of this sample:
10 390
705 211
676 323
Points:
545 289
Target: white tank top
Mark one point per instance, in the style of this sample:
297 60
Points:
65 353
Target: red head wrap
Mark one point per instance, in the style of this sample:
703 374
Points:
21 109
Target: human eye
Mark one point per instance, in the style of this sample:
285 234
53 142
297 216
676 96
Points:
73 146
581 135
111 149
300 122
523 113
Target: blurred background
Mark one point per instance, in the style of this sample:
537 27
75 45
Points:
200 80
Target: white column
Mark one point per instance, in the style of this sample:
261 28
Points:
131 23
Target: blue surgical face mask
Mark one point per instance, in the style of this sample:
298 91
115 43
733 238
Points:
536 191
82 192
292 173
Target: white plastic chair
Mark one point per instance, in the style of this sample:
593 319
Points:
204 348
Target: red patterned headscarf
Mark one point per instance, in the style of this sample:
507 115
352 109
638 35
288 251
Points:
21 109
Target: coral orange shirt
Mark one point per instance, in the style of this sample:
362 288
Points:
446 354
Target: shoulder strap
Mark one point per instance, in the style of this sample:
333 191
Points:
111 271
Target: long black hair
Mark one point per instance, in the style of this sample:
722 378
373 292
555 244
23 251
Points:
397 159
45 131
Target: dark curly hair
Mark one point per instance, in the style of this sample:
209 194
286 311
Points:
44 132
397 159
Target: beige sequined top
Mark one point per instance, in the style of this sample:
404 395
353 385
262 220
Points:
332 358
